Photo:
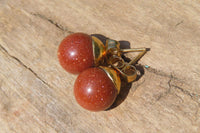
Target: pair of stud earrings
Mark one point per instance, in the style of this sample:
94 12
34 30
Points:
100 67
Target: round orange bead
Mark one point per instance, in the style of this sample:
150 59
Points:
75 53
94 90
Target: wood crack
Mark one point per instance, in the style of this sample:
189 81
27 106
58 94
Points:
158 72
59 26
179 23
22 64
167 91
195 97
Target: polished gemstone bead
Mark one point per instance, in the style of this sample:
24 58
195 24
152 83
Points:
94 90
75 53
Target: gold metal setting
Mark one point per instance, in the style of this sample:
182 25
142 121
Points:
112 47
127 72
99 51
114 76
110 55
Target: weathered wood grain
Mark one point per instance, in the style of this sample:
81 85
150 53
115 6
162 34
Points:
37 94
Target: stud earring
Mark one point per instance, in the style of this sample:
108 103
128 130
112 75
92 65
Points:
80 51
96 88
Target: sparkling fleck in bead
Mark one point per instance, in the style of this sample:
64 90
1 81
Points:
94 90
75 53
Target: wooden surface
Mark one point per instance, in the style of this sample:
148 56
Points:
37 94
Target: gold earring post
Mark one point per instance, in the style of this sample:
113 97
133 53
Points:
110 54
132 62
126 70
